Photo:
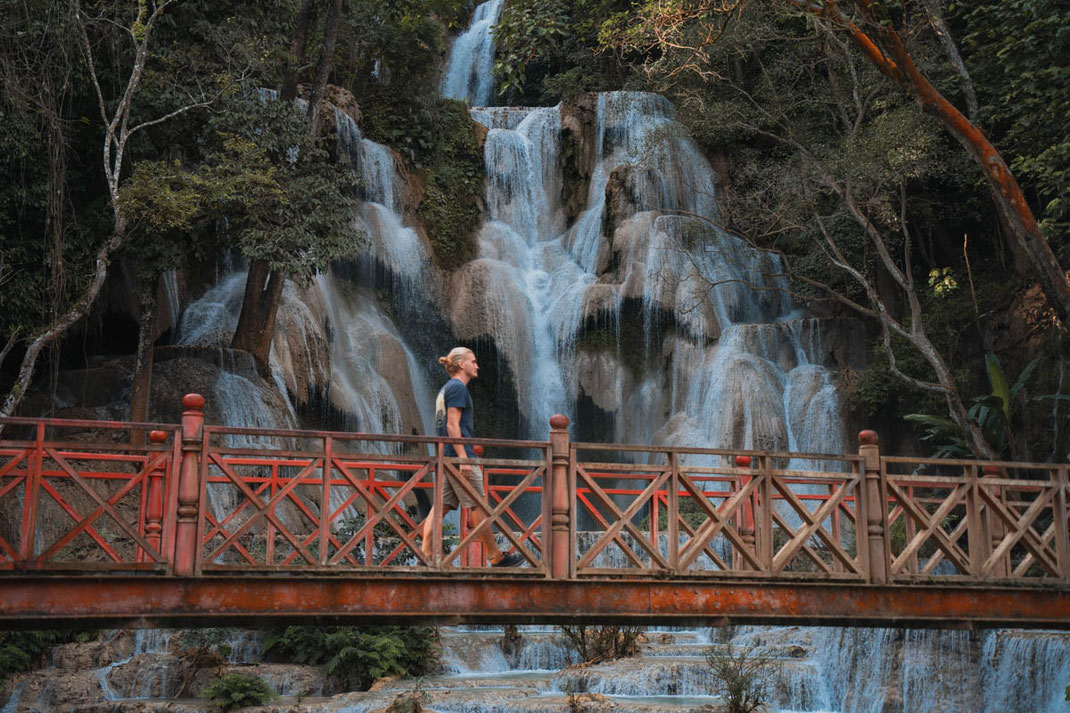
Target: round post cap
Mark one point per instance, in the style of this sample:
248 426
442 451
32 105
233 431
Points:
193 402
867 438
558 422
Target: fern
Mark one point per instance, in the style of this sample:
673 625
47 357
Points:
355 656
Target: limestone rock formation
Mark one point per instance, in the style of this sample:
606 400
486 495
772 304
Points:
578 119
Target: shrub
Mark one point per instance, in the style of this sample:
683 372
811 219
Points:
238 690
23 650
355 656
743 678
594 644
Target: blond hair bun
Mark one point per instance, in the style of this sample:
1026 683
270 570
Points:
452 361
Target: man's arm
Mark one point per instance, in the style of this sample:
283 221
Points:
453 429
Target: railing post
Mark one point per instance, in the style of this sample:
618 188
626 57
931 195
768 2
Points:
32 492
1060 513
559 520
996 529
746 529
871 461
189 485
154 499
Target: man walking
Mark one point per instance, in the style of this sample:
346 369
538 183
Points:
453 418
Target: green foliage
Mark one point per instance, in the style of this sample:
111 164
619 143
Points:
356 656
1018 52
548 50
440 139
274 185
991 413
690 512
238 690
23 650
161 195
285 201
50 177
742 679
594 644
942 281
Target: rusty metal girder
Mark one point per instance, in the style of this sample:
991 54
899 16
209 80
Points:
137 601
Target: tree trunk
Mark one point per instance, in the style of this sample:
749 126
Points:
59 327
141 389
297 52
895 62
323 71
936 19
260 305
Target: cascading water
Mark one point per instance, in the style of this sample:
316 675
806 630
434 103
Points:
471 62
738 373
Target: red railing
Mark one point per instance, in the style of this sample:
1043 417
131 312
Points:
101 504
321 500
713 512
196 499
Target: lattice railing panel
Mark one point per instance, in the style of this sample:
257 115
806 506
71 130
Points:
515 510
351 501
260 510
708 512
616 499
958 519
814 524
72 505
375 524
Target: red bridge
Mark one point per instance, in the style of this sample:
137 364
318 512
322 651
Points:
210 525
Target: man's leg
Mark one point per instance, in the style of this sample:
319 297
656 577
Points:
426 531
494 553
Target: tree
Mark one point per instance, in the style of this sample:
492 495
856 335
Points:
289 208
264 282
120 125
1020 52
837 172
595 644
872 30
694 25
39 75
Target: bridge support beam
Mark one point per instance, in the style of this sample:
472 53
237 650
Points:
138 601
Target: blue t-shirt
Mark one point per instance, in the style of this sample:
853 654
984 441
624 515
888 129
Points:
454 395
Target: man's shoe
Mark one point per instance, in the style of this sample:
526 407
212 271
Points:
511 560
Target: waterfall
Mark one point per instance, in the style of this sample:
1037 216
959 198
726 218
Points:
742 371
469 71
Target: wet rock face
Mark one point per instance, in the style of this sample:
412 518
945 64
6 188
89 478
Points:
626 192
93 654
579 115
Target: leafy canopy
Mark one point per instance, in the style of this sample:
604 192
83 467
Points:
267 185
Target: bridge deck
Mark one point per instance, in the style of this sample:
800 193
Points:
30 602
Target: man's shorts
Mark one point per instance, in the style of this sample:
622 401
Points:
451 497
